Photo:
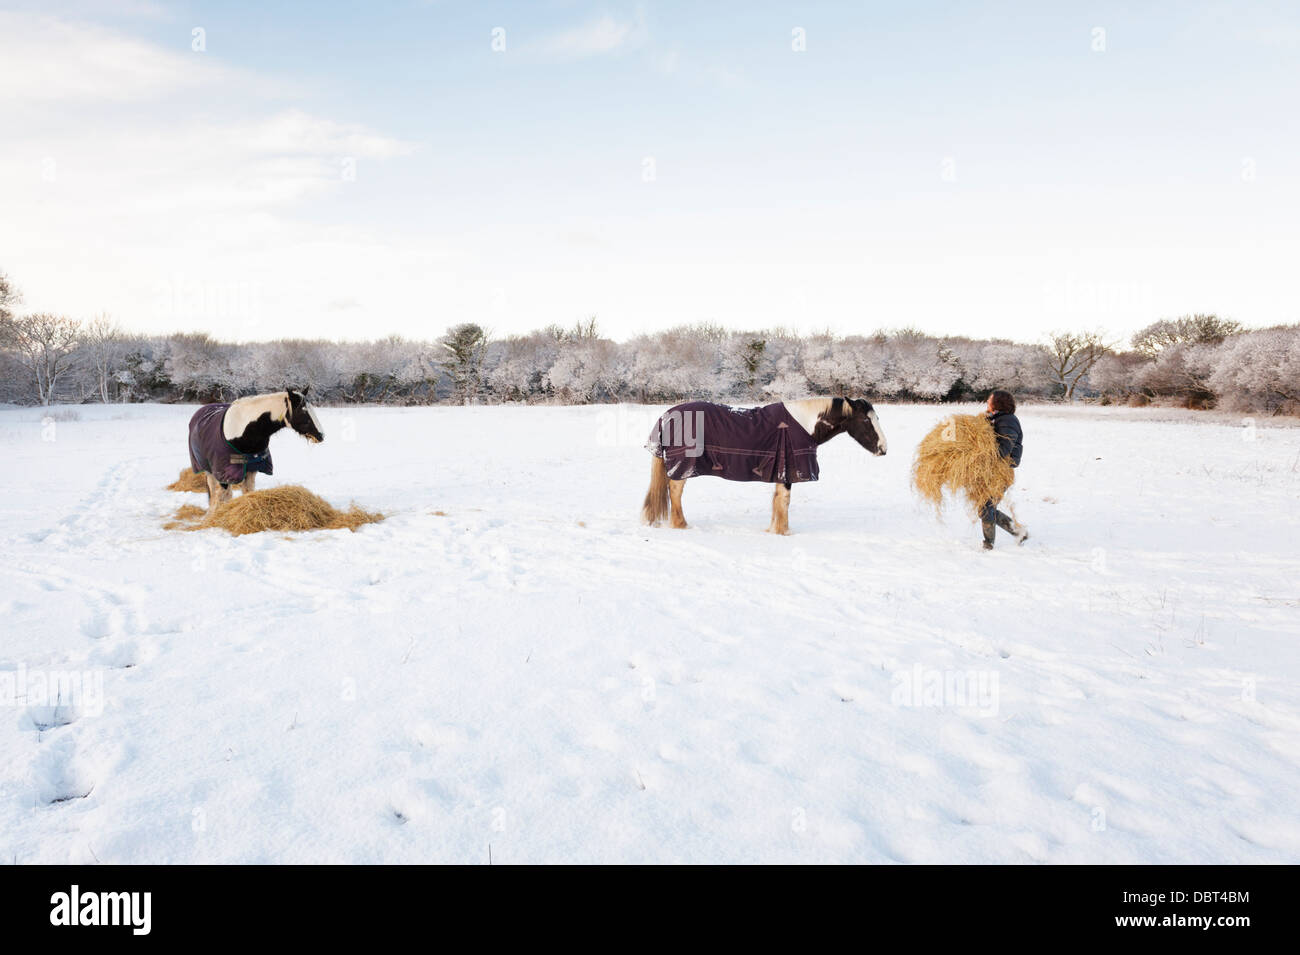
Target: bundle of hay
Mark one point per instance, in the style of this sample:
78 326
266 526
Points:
287 508
960 455
189 481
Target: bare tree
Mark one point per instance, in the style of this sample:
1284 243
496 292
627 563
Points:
1260 369
204 369
44 345
1071 355
1198 329
1181 370
104 345
584 330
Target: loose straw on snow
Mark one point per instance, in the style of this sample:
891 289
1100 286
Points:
189 481
290 507
184 518
960 455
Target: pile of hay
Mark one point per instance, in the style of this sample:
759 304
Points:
960 455
189 481
288 508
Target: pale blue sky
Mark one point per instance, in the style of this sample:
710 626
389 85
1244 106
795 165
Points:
969 170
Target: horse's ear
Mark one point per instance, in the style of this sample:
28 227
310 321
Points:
305 389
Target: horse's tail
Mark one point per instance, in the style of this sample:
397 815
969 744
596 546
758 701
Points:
655 508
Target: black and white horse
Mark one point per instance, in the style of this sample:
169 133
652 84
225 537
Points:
775 444
231 442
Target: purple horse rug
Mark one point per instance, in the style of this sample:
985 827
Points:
211 452
738 444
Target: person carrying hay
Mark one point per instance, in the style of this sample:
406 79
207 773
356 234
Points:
1001 413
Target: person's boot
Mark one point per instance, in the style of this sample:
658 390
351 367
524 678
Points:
990 530
1012 527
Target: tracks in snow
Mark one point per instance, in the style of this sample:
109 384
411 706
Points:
67 764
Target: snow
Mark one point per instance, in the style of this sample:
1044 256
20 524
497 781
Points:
533 671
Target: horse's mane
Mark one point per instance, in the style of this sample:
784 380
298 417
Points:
808 410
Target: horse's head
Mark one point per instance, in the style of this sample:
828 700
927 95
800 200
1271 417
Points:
861 423
302 416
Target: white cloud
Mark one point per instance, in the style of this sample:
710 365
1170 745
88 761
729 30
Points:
44 60
598 37
103 9
295 133
143 9
128 167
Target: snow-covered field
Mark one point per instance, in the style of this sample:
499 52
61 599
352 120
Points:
511 661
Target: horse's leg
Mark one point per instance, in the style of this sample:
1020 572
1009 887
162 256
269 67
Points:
217 495
214 489
780 510
675 493
249 482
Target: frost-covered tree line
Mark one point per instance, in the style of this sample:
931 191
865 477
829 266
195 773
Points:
1198 361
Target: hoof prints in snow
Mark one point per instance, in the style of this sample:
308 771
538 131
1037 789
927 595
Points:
46 718
60 775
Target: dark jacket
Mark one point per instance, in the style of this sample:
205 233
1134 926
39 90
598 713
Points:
211 452
1010 438
737 444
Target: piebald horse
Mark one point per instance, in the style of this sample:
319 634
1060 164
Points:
775 444
231 442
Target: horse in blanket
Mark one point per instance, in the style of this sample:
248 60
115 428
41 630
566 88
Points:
231 442
775 444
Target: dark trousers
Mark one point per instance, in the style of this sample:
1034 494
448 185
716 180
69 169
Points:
992 519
